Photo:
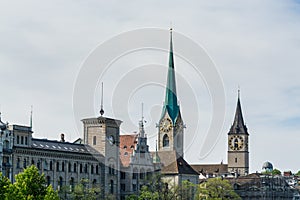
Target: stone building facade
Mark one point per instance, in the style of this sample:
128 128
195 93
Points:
65 164
137 165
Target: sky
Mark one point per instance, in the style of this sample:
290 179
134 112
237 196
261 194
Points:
254 45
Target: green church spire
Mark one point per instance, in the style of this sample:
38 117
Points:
170 104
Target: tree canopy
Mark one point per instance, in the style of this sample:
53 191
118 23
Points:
217 188
276 172
29 185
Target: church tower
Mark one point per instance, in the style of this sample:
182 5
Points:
170 132
238 152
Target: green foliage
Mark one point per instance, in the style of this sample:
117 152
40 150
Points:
216 188
165 191
51 194
83 191
298 173
4 185
276 172
145 193
30 185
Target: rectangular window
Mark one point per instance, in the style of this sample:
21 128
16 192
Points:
122 187
235 160
123 175
94 140
70 167
26 141
22 140
134 187
134 175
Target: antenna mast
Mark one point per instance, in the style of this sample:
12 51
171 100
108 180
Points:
101 110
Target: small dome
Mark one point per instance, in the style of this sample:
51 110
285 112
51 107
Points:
267 166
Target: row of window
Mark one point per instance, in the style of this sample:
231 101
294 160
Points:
22 140
60 166
135 175
61 182
134 187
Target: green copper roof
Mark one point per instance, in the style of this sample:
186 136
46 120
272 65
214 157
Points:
170 104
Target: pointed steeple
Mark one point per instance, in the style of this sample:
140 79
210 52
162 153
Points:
238 126
170 104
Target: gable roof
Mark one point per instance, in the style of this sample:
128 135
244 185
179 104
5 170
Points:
210 168
172 163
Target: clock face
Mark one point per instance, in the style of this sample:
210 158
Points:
166 125
236 142
111 139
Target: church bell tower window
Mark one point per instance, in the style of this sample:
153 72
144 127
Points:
166 141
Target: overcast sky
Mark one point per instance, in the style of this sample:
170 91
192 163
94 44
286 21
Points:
254 45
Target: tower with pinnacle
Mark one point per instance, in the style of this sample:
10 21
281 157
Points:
238 150
170 126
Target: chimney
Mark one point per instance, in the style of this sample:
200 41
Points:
62 137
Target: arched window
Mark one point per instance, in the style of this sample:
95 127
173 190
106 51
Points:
166 141
70 167
63 166
80 168
38 164
60 183
111 186
75 167
92 169
18 163
48 180
24 163
22 140
94 140
45 165
85 168
97 169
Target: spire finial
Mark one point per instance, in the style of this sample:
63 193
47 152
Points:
239 91
31 113
141 124
101 110
142 111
